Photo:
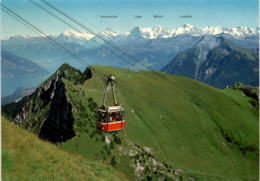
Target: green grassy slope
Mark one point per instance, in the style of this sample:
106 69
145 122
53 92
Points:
26 158
209 134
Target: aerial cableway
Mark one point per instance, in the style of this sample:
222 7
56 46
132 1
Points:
110 117
82 61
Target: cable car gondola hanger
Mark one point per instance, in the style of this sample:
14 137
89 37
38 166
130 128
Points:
110 117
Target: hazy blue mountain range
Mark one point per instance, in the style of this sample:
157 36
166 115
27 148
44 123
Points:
218 62
18 94
18 71
40 50
154 53
154 47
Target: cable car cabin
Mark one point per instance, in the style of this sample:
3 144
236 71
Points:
111 119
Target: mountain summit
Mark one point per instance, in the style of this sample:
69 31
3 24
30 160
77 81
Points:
218 62
50 99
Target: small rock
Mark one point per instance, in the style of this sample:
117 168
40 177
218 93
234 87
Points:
191 179
178 171
107 141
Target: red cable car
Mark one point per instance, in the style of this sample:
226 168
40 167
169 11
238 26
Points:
110 117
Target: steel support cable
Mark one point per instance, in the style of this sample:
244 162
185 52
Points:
96 34
80 24
76 29
97 71
57 44
38 31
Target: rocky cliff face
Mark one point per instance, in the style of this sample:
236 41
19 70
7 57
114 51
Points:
47 111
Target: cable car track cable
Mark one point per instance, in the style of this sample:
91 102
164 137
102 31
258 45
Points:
60 46
76 29
97 35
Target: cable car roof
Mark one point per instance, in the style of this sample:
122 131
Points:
112 109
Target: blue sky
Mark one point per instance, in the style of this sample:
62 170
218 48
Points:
203 12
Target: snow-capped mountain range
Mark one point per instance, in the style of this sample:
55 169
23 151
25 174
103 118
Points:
162 32
155 47
158 32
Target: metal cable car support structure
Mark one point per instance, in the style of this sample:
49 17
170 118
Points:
109 82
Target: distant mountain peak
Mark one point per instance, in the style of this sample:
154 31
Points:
209 41
72 74
136 32
73 34
188 26
160 28
136 29
51 96
157 31
108 33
